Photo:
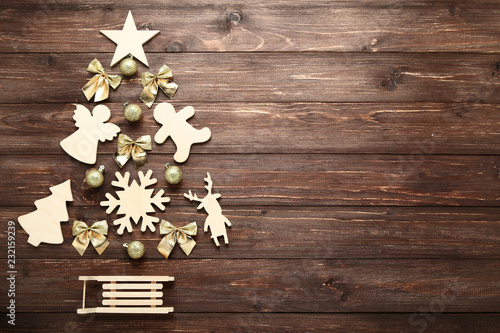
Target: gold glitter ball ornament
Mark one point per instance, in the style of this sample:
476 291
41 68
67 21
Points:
95 177
128 67
135 249
173 174
132 112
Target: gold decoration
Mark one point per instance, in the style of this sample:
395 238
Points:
136 149
135 249
182 235
128 67
151 83
96 234
132 112
173 174
95 177
99 84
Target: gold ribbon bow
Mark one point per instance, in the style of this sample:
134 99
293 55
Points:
99 84
182 235
128 148
94 234
151 82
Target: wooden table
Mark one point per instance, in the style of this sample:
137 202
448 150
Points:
355 145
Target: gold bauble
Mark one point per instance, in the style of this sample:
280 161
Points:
128 66
135 249
94 177
173 174
132 112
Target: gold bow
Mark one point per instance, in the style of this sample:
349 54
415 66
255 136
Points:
182 235
127 148
151 82
94 234
99 84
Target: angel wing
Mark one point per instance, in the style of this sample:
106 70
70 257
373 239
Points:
82 116
108 131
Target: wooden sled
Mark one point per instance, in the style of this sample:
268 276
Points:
137 297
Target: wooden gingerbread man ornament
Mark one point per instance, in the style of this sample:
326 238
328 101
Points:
175 125
92 127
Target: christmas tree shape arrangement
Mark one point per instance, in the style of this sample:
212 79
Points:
175 125
215 220
82 145
135 201
43 225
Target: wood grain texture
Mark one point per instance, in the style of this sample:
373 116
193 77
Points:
266 77
256 128
261 322
355 145
277 179
280 25
298 232
275 285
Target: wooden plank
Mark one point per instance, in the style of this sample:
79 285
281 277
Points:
132 302
278 285
269 322
139 294
129 278
278 179
266 77
368 128
280 25
297 232
131 286
130 310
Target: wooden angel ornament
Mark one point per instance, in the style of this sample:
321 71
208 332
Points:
215 220
43 225
135 201
175 125
92 127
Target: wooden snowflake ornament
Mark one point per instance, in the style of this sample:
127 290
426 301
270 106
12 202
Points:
215 220
175 125
135 201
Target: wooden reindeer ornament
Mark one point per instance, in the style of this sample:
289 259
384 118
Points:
215 220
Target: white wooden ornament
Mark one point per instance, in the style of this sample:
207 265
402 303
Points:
175 125
44 224
92 127
143 297
135 201
129 40
215 220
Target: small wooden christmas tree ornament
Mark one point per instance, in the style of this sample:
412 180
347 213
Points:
82 145
135 201
43 225
175 125
215 220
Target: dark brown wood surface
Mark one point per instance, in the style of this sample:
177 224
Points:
355 144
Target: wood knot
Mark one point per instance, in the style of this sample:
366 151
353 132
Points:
263 211
330 283
146 26
231 20
235 18
388 83
344 297
175 47
50 60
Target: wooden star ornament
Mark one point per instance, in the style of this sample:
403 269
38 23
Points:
129 40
